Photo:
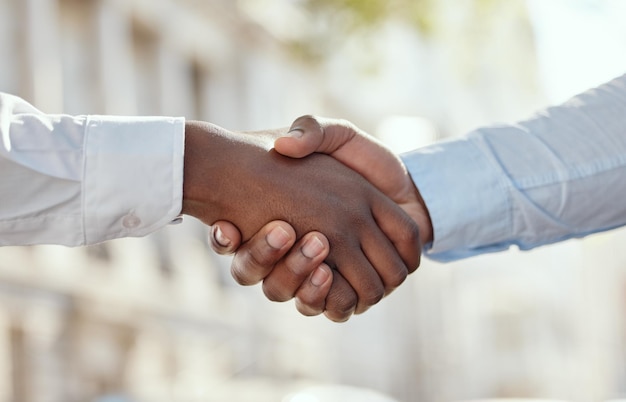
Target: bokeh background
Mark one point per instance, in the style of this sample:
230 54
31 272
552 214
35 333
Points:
160 319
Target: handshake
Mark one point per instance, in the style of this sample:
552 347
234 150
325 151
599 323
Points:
320 212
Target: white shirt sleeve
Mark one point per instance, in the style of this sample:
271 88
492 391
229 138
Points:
558 175
76 180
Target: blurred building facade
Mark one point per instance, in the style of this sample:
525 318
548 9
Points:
159 319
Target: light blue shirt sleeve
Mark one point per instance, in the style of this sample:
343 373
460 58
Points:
558 175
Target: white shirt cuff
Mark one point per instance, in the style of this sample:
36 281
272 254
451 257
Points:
133 175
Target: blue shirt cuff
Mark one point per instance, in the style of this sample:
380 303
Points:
465 195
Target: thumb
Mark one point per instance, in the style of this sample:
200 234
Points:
309 134
348 144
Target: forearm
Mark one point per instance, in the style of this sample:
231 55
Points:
77 180
558 175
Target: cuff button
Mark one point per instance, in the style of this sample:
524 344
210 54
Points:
131 221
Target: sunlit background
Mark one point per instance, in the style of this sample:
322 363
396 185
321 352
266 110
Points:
159 319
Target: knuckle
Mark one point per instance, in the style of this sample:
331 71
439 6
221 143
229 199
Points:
397 278
241 276
341 301
336 316
308 306
258 257
307 120
407 230
348 126
411 232
411 241
250 266
343 304
297 268
273 293
373 295
414 264
311 298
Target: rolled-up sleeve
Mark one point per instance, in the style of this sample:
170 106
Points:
76 180
558 175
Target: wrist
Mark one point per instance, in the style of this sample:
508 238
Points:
198 168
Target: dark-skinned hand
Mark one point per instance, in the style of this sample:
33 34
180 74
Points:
239 178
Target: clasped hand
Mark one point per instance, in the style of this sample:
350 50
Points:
335 241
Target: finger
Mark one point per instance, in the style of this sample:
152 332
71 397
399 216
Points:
224 237
311 296
384 257
401 230
341 301
292 271
304 137
256 258
308 134
357 270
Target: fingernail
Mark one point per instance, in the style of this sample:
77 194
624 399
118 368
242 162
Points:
320 276
277 238
220 238
313 247
295 133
